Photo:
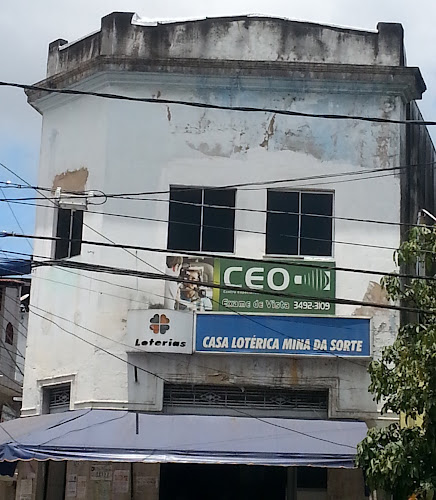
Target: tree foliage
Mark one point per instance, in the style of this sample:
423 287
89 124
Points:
398 459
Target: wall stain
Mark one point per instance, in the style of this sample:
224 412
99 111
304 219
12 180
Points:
374 293
302 140
208 150
269 132
71 180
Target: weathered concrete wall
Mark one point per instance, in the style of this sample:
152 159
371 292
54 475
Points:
125 147
7 489
116 146
419 182
237 38
346 484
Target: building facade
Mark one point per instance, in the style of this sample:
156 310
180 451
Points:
290 206
14 300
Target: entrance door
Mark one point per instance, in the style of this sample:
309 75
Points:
222 482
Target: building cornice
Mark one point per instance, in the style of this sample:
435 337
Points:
406 82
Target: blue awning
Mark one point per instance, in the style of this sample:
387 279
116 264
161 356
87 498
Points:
111 435
17 267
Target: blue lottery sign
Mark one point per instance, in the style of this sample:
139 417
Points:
291 335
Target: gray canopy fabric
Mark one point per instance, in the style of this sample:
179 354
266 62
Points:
124 436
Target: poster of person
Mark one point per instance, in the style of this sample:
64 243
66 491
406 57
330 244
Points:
190 294
246 286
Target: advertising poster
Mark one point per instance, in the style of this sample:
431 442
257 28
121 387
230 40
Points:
309 286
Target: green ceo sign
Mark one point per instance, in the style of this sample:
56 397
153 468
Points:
299 279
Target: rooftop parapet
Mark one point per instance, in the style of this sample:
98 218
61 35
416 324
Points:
245 38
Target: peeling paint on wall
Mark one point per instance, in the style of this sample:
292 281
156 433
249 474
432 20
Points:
269 132
71 180
208 150
375 293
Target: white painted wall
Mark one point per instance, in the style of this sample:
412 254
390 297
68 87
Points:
129 147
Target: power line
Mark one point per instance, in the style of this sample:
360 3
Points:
276 425
15 217
144 274
310 265
253 184
381 171
257 210
132 196
250 318
10 355
192 104
164 380
209 226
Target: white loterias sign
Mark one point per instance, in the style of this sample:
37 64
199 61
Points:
160 330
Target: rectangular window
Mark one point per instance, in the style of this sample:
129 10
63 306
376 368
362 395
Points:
56 399
201 219
259 401
69 228
299 223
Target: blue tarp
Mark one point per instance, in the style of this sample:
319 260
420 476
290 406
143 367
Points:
17 267
111 435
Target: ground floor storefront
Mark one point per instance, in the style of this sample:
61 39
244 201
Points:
109 454
117 481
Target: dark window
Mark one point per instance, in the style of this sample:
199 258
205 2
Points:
201 219
299 223
311 478
9 338
56 399
1 299
69 229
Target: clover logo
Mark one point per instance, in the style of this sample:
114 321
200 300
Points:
159 324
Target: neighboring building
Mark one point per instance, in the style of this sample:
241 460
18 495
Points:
14 300
314 185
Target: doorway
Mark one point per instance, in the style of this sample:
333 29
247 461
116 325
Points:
222 482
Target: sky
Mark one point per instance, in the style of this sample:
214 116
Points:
27 27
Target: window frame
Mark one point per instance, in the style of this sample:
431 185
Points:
203 205
298 255
46 398
72 210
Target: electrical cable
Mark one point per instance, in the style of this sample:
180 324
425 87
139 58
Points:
237 230
383 171
309 265
15 217
153 276
161 296
202 105
11 200
164 380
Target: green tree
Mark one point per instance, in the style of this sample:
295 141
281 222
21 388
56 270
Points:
402 459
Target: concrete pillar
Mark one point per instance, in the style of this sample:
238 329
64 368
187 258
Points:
31 479
111 481
146 481
291 486
7 489
345 483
